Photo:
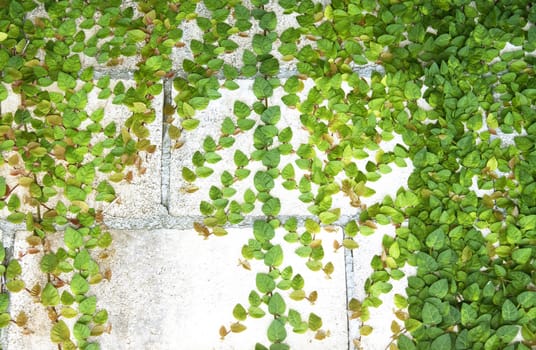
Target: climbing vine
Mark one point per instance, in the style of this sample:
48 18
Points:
452 84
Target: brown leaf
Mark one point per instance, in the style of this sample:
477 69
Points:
223 332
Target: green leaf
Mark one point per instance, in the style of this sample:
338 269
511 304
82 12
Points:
203 171
507 333
82 260
188 175
67 28
509 311
276 331
239 312
49 263
294 318
274 256
522 255
400 301
190 124
5 320
412 91
263 231
264 282
314 322
262 44
527 299
60 332
297 282
88 305
256 312
100 317
74 193
240 158
254 298
271 207
268 21
276 304
68 312
270 67
4 302
436 239
405 343
271 158
66 81
439 289
263 181
16 218
15 286
349 243
443 342
13 269
72 238
430 314
50 295
81 331
329 217
262 88
241 110
79 285
468 314
136 35
3 92
297 294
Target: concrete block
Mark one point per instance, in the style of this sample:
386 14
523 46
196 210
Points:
181 201
171 289
141 197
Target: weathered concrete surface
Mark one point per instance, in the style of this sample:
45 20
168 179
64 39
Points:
171 289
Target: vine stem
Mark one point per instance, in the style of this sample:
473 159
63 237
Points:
395 337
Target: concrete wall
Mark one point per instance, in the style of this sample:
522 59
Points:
171 289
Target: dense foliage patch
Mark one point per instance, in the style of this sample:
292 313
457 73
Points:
457 82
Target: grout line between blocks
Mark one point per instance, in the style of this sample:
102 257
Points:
165 160
350 292
115 73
